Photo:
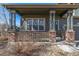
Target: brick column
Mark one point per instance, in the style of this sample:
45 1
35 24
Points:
11 37
70 33
52 36
52 32
70 36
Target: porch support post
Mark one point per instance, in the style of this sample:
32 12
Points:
52 33
22 24
13 20
70 33
10 21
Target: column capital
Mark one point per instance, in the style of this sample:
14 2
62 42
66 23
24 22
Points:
12 11
52 11
73 12
70 12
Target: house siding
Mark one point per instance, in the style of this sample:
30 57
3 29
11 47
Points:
38 36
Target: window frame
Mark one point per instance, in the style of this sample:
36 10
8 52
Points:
33 24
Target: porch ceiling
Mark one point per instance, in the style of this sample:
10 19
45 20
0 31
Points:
25 9
39 11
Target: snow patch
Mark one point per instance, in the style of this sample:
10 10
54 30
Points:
67 48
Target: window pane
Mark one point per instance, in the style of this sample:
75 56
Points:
35 27
41 24
41 21
41 27
29 21
35 24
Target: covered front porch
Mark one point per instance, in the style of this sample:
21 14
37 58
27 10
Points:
42 22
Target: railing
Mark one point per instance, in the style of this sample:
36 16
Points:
32 36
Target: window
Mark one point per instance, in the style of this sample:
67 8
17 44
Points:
35 24
41 24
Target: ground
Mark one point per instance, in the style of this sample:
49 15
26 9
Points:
38 49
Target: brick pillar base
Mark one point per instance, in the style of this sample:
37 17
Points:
52 36
70 36
11 37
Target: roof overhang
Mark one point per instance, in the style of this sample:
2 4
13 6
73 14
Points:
24 9
54 6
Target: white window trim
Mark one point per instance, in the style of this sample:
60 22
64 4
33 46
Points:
38 24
